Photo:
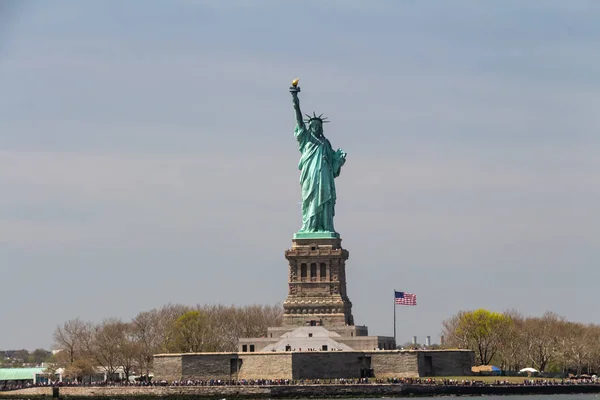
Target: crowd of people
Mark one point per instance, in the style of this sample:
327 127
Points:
279 382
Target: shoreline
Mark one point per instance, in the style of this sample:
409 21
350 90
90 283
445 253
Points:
294 391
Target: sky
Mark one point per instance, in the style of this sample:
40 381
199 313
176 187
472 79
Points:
147 156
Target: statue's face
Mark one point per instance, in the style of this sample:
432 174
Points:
316 128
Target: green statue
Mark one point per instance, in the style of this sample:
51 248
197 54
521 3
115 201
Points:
319 165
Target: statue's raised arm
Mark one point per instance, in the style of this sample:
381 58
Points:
294 90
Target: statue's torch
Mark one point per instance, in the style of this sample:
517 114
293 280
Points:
295 88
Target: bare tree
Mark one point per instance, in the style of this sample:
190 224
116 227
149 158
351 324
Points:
69 338
130 349
80 369
511 354
167 316
153 332
106 346
454 337
594 343
577 340
541 338
145 329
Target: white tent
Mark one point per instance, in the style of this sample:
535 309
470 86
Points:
528 369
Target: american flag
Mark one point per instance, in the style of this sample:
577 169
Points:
405 299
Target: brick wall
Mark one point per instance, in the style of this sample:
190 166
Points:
167 367
446 363
334 364
313 364
266 365
395 364
207 366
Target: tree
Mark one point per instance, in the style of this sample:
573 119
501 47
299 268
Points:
574 345
480 330
50 371
594 343
167 316
38 356
145 329
171 328
152 330
20 356
129 349
226 324
257 318
453 336
70 338
79 369
511 354
190 333
541 338
107 343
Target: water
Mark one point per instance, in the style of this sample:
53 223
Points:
591 396
507 397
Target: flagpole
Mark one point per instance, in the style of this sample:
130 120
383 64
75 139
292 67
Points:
395 319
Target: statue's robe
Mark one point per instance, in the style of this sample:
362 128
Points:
319 165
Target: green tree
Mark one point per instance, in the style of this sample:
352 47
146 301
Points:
481 331
171 328
39 356
21 356
190 333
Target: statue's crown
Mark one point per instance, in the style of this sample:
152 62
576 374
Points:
314 117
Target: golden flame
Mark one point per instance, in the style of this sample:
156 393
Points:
295 82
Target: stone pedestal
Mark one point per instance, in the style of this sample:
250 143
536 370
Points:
317 311
317 284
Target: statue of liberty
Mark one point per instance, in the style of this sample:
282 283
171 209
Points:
319 165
